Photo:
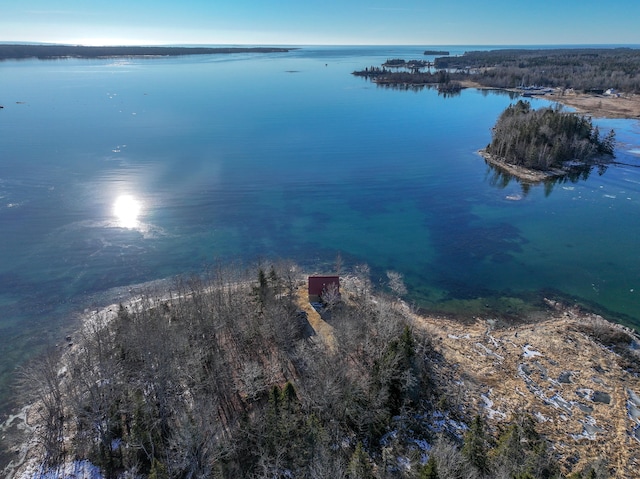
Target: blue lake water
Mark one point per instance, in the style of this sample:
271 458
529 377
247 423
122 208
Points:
249 157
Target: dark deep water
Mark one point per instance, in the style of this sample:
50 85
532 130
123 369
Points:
248 157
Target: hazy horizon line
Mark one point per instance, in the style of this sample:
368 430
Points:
44 43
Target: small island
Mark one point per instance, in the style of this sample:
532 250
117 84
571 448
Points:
414 65
409 74
436 52
535 145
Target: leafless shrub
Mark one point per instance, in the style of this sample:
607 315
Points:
40 383
331 296
451 464
396 283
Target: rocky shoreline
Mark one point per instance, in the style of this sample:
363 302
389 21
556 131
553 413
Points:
527 175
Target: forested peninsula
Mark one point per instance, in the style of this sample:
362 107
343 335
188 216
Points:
49 52
586 70
236 374
597 81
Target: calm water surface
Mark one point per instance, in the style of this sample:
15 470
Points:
242 157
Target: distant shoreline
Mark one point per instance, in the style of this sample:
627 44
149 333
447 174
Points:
50 52
625 106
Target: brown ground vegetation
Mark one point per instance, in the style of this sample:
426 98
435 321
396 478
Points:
602 106
627 105
564 371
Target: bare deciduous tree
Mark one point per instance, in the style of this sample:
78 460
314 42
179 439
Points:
396 283
40 383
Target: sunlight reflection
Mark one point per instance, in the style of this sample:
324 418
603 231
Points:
127 209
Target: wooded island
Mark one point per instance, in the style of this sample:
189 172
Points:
548 141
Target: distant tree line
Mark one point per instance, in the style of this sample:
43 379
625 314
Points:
583 69
44 52
587 70
395 62
411 64
442 79
546 138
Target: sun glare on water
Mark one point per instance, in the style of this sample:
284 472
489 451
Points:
127 209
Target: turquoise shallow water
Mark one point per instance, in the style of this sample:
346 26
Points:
245 157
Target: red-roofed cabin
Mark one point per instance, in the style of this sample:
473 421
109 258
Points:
319 285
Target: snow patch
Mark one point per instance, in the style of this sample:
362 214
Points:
633 406
541 417
488 351
70 470
404 463
561 403
585 393
589 429
441 422
494 341
527 352
488 406
464 336
422 445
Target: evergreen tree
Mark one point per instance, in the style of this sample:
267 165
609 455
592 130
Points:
475 446
430 469
360 464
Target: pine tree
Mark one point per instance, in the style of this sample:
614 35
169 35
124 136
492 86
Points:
475 446
360 464
430 470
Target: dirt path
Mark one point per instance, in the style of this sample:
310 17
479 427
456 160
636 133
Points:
320 326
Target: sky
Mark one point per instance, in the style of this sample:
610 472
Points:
315 22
